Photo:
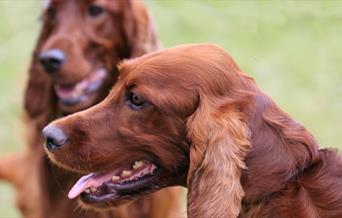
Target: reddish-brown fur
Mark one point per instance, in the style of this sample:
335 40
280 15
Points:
124 30
210 128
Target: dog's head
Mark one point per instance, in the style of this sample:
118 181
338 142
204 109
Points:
80 43
175 117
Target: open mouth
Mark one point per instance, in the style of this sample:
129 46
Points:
72 94
120 183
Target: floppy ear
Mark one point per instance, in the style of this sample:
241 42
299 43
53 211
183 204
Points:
38 86
37 90
139 28
219 143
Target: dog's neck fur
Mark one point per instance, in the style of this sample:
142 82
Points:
281 149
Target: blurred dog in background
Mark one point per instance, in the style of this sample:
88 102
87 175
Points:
72 69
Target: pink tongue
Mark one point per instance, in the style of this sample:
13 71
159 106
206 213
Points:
64 90
81 185
90 180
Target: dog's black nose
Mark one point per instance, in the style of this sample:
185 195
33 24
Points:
54 137
52 60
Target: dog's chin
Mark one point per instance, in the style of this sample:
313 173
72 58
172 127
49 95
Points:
112 198
103 206
82 94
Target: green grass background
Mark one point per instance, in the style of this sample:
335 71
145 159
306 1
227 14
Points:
292 48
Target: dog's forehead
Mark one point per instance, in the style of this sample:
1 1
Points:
180 66
154 72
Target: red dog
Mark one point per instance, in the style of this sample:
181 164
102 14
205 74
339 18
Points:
188 116
72 69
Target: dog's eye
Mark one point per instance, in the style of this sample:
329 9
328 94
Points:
135 101
95 10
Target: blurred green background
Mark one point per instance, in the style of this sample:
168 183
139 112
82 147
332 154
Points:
292 48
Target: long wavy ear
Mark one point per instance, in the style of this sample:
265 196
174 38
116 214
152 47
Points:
37 90
139 28
219 143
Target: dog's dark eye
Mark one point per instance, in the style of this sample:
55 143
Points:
95 10
135 101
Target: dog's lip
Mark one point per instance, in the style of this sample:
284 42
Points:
109 192
95 186
71 94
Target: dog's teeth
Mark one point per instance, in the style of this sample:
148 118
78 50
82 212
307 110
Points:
93 189
138 164
126 173
77 93
116 178
87 191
